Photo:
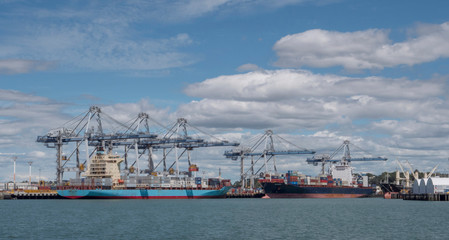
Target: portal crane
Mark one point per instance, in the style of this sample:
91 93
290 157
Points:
267 153
178 137
345 160
83 131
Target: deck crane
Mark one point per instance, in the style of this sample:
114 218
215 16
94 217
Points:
267 153
429 175
406 175
345 160
413 173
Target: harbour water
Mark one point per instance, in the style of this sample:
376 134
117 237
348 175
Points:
373 218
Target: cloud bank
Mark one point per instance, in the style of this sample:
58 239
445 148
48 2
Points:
368 49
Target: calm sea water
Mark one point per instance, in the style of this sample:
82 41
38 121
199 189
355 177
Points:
224 219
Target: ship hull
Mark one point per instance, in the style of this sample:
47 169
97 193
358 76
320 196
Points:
282 190
143 193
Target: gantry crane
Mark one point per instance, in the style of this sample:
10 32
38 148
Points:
267 153
83 131
176 138
345 160
135 136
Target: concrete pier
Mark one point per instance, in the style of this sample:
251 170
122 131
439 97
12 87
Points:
4 195
427 197
29 194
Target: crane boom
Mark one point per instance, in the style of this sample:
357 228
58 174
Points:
363 159
433 170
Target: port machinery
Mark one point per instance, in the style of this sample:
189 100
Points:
95 129
266 146
345 161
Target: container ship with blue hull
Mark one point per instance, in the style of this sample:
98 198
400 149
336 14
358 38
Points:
103 180
143 193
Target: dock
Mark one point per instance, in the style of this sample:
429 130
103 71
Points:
440 197
29 194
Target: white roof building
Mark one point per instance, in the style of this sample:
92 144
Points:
423 186
416 185
437 185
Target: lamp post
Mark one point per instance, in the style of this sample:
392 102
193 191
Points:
14 186
29 183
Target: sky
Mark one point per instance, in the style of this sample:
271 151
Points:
315 72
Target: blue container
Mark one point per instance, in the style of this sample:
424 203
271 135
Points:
198 180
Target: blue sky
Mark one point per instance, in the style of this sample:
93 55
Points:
318 72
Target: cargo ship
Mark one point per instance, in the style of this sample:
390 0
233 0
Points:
103 180
338 183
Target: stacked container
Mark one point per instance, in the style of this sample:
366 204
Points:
323 180
292 177
330 181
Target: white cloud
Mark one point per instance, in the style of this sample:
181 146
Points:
100 47
16 96
17 66
106 36
368 49
248 67
186 10
37 154
92 37
290 84
414 129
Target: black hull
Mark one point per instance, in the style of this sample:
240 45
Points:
282 190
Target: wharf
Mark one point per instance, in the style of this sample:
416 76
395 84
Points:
5 195
440 197
30 194
443 197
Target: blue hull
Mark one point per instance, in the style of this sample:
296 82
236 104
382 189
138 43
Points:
143 193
